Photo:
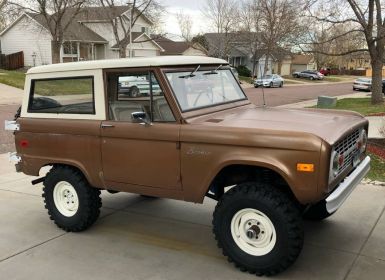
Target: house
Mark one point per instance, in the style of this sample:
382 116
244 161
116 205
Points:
179 48
301 62
235 47
89 36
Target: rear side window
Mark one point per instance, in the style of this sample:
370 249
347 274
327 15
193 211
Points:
62 96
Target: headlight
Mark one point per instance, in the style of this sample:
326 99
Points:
337 160
362 141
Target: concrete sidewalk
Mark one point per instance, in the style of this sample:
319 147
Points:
137 238
10 95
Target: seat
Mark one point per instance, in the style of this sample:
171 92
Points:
163 111
122 110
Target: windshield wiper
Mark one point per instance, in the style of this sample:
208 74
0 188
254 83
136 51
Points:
192 74
213 72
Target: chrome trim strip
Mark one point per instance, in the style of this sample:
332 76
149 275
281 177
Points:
341 193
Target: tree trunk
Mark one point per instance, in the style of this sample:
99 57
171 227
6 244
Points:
377 95
55 45
122 51
266 66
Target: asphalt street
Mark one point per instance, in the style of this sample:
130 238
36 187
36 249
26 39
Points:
296 93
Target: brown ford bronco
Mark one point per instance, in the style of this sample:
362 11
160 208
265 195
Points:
182 128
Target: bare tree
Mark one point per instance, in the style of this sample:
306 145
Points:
223 14
368 19
57 14
280 25
122 24
250 29
185 23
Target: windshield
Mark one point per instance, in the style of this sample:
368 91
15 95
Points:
267 77
199 89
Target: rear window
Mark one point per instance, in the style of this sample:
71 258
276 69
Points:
62 96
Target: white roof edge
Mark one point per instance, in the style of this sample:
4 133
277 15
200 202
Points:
127 63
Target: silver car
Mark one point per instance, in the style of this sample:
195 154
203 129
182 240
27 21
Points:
362 84
273 80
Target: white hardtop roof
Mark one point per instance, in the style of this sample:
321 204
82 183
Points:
127 63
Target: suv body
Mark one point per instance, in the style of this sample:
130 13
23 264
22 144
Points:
193 138
308 74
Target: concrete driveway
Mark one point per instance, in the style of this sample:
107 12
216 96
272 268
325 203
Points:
138 238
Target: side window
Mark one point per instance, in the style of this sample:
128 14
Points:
62 95
137 92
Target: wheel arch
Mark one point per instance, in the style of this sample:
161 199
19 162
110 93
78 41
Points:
35 166
236 172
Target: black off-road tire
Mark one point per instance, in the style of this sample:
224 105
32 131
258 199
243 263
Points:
89 199
283 214
317 212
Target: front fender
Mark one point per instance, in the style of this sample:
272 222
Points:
200 169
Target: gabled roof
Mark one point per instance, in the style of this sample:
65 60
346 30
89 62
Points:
135 39
170 47
75 31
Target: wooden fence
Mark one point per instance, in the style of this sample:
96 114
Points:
12 61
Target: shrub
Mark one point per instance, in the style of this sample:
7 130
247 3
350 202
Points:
243 71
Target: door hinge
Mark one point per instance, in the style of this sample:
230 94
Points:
178 145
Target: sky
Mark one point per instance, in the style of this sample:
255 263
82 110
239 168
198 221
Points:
190 7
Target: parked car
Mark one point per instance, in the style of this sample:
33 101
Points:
135 86
325 71
363 84
309 74
267 167
273 80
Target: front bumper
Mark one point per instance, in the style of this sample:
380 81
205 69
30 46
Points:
342 192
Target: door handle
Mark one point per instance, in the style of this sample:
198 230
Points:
106 125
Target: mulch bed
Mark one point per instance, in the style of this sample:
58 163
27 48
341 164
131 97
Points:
376 115
377 147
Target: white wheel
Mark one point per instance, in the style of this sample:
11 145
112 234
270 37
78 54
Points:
66 199
253 232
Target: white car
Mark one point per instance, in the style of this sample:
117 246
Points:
136 86
362 84
273 80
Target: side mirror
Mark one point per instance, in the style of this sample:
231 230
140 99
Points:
140 117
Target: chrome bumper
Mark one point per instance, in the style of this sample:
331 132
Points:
341 193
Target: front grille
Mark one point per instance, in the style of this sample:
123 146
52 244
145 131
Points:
348 148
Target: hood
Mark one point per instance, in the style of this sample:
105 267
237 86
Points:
329 125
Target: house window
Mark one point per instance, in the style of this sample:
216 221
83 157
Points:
144 29
70 48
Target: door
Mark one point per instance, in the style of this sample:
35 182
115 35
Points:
137 153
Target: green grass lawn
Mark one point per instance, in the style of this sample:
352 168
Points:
247 80
360 105
377 168
12 78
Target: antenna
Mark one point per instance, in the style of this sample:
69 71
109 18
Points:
263 90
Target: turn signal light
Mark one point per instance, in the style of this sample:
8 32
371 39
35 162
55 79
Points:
305 167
